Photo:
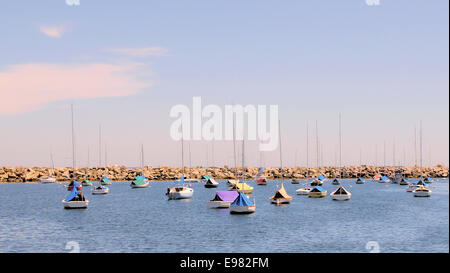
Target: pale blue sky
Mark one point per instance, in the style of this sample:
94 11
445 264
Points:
383 67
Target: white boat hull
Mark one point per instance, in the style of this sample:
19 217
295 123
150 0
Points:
140 186
280 201
48 180
100 191
185 194
295 181
422 194
303 191
242 209
341 197
75 204
192 180
218 204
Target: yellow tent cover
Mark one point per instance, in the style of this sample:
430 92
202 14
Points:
281 193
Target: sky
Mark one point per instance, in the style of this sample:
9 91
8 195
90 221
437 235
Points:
123 65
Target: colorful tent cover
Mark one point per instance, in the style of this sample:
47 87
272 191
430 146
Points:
139 180
321 177
72 194
226 196
241 201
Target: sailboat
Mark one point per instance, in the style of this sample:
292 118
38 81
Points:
341 194
317 192
86 183
428 180
404 182
76 199
242 205
50 178
360 180
210 182
261 178
281 196
180 191
384 179
105 181
335 182
222 199
398 176
100 189
422 191
318 181
416 185
140 181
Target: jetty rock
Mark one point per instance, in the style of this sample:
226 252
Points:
166 173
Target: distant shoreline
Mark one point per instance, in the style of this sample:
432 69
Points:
121 173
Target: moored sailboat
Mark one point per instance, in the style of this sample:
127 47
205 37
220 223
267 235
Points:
341 194
210 182
422 191
222 199
281 196
100 190
317 192
140 181
242 205
105 181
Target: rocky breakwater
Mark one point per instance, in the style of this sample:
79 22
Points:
165 173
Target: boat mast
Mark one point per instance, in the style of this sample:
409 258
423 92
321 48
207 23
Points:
142 159
243 160
99 145
307 150
415 146
73 144
421 151
317 146
182 149
234 148
53 164
281 157
340 147
190 162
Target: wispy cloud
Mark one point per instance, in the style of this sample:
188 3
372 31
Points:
26 87
142 51
52 31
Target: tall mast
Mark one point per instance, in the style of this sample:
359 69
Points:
384 153
243 159
317 146
281 155
182 149
415 146
307 150
106 156
421 150
99 145
234 148
190 162
393 153
142 159
53 163
73 143
88 157
340 148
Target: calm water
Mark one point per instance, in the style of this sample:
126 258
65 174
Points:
32 219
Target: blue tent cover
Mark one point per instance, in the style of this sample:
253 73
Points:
321 177
319 188
384 178
72 194
106 179
241 200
